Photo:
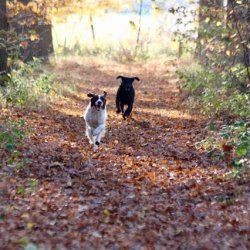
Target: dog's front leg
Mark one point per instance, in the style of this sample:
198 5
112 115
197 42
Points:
89 135
98 139
98 130
98 133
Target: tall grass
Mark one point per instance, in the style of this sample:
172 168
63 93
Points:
123 52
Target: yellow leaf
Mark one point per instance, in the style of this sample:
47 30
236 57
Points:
218 23
33 37
106 212
30 225
207 19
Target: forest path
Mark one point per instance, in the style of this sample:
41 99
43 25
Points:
147 187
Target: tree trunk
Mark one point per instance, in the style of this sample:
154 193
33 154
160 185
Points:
92 27
180 49
238 19
139 26
3 40
45 42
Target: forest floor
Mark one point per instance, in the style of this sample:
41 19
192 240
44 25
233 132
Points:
147 187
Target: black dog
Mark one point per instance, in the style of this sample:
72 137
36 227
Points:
125 95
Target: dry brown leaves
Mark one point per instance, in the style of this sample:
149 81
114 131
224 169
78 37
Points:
146 188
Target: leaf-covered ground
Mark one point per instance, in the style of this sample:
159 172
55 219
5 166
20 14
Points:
148 186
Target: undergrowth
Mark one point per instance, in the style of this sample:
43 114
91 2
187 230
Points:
29 86
218 95
12 135
32 86
232 143
214 93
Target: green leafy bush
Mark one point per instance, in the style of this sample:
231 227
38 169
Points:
11 138
238 135
233 141
29 86
215 92
10 134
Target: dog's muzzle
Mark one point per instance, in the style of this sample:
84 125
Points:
98 105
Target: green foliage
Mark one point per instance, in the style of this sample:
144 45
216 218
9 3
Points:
29 86
219 86
20 190
215 92
11 134
24 242
237 136
28 188
11 138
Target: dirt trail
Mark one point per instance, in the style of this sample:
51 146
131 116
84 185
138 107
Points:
148 187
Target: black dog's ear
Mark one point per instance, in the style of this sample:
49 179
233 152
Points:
104 94
90 95
137 78
119 77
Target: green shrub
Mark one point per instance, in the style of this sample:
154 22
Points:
29 86
10 134
11 138
238 135
219 93
235 137
215 92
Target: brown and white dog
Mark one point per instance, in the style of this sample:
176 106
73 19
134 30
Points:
95 117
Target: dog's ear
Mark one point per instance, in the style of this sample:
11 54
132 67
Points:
119 77
104 94
90 95
137 78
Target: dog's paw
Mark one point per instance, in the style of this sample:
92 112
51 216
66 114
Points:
118 111
125 115
96 145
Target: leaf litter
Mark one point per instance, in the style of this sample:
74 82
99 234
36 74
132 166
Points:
147 187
